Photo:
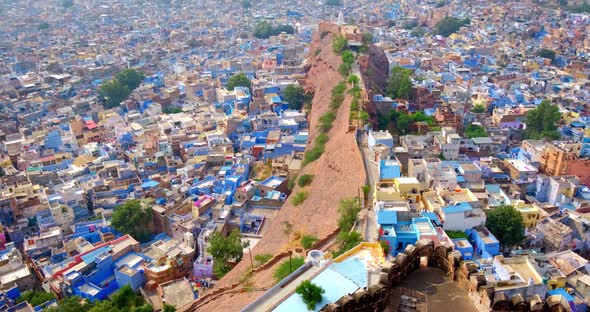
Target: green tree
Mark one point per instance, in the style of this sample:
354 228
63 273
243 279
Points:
172 110
43 26
418 32
475 131
478 109
333 2
449 25
348 210
400 84
310 293
546 53
130 78
71 304
367 38
505 222
541 122
347 240
411 25
133 217
308 240
295 96
287 267
238 80
35 297
263 30
284 28
168 308
223 250
305 180
113 93
339 44
246 4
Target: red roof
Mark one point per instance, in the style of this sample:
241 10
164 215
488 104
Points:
90 124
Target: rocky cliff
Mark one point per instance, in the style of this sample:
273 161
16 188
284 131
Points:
338 174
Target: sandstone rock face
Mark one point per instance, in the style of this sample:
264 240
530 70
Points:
339 173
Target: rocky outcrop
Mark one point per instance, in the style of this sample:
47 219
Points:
338 174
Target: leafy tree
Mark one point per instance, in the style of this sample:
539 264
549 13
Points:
310 293
353 80
308 240
400 84
367 37
333 2
418 32
130 77
295 96
541 122
113 93
546 53
339 43
580 7
238 80
194 42
224 249
168 308
287 267
264 29
118 89
348 209
478 109
475 131
35 297
440 4
411 25
71 304
132 217
449 25
172 110
347 240
505 222
43 26
305 180
246 4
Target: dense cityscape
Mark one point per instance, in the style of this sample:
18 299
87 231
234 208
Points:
333 155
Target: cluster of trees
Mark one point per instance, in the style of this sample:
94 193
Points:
295 96
124 300
475 131
172 110
333 2
402 121
118 89
400 85
541 122
225 249
238 80
505 222
35 297
133 218
265 29
418 32
347 61
67 3
449 25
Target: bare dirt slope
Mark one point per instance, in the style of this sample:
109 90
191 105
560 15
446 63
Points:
339 174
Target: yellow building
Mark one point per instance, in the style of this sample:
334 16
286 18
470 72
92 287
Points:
530 213
405 188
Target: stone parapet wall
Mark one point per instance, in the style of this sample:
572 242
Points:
466 273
